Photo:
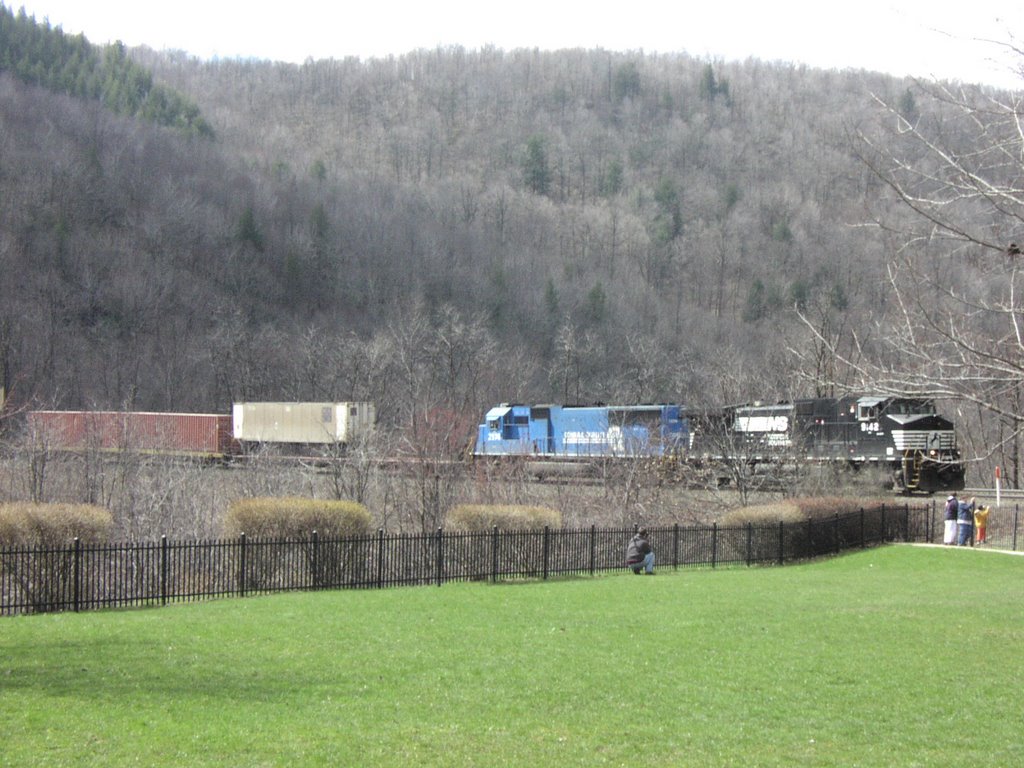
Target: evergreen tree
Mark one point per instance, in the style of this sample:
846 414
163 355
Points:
248 232
318 170
613 179
626 82
712 87
907 106
595 307
551 302
536 173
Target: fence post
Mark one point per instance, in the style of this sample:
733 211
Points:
314 560
380 558
241 571
163 570
782 541
495 542
440 556
750 544
77 574
714 544
547 549
885 528
593 548
675 546
862 542
1016 511
835 533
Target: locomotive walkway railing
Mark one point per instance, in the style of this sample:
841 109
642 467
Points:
85 577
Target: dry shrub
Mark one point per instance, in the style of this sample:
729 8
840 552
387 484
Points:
824 507
786 511
43 577
53 525
802 509
293 517
506 517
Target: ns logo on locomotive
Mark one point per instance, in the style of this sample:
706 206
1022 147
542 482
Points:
905 437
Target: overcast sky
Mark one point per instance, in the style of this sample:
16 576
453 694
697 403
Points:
930 38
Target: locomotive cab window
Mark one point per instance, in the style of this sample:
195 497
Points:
868 408
867 412
912 407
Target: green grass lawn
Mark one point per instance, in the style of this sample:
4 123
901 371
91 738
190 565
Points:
899 656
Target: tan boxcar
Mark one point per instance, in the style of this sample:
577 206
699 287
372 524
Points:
302 423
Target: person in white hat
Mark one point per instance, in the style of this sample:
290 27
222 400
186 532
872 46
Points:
949 532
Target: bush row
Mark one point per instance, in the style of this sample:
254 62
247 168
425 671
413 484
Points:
26 524
800 510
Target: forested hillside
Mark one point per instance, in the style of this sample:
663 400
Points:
39 54
445 229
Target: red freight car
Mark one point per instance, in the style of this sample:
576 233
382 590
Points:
198 434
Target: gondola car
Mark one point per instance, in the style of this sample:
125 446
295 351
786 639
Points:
904 436
574 432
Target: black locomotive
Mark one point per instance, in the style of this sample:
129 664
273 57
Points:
905 437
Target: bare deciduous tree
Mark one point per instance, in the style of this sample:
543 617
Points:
954 325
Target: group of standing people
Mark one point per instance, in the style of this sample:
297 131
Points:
965 523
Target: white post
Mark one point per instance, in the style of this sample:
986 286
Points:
997 487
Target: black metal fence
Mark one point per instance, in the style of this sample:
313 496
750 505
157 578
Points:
83 577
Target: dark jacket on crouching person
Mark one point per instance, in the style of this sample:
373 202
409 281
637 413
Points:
639 555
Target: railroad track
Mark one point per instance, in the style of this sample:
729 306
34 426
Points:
1012 494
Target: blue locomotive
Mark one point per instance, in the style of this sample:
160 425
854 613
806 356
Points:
571 432
904 437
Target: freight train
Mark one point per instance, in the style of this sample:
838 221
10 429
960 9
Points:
294 427
906 438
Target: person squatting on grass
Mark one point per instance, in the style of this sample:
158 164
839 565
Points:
964 523
949 532
639 555
980 523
